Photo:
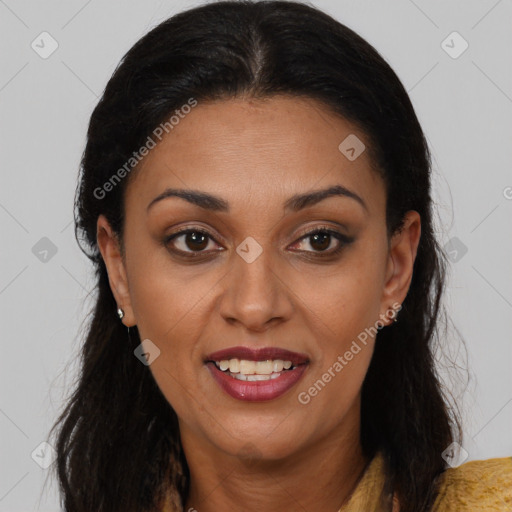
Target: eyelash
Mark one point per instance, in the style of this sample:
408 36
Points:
343 239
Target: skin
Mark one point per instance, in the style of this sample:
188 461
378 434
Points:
256 154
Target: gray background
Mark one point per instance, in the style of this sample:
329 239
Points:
464 105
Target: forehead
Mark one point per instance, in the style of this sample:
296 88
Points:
262 149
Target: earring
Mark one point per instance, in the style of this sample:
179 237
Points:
120 313
395 315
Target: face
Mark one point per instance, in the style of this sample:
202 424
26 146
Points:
259 267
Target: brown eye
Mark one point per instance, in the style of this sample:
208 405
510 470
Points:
196 241
321 239
189 241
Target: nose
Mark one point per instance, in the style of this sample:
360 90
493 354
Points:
256 294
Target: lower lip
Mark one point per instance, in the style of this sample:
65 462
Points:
259 390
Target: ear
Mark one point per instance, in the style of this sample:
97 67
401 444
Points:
109 247
399 270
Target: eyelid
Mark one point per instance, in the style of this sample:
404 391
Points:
196 228
342 239
323 227
184 230
303 233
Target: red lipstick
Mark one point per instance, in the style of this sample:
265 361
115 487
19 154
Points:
258 354
271 386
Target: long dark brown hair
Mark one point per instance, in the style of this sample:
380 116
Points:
118 442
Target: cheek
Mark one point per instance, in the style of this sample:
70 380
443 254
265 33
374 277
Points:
167 296
346 299
173 305
342 309
168 312
345 343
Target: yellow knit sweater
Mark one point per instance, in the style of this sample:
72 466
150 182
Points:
481 485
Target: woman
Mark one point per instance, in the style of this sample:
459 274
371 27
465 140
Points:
255 197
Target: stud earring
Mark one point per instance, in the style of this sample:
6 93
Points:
120 313
395 314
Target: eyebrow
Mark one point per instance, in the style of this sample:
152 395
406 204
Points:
294 203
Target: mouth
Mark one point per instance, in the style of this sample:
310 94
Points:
256 374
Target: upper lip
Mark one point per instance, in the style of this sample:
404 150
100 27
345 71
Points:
258 354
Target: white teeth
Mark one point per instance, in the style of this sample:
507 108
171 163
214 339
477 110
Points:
278 365
259 368
241 376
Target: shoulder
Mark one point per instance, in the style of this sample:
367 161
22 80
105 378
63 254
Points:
476 485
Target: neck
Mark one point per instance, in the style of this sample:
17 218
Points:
315 478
